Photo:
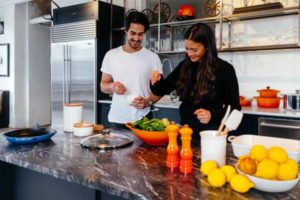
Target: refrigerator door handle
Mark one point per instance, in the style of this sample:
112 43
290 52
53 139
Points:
65 74
70 72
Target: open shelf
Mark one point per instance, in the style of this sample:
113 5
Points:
256 48
263 14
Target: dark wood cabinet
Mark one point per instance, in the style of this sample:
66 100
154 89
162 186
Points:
249 125
102 115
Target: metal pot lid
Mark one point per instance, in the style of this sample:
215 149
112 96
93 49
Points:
106 140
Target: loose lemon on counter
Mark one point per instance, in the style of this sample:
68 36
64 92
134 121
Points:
241 183
277 154
258 152
208 166
286 172
267 169
247 165
217 178
229 171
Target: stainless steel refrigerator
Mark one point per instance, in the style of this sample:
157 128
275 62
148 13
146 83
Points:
73 69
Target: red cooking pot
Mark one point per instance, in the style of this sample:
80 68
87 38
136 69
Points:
268 102
268 92
244 101
186 10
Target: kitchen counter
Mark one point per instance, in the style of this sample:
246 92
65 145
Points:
165 102
135 172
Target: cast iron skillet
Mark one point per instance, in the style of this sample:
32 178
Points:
29 135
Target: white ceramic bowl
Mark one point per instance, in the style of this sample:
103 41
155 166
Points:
242 144
83 129
269 185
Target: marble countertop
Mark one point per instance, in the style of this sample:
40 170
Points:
165 102
135 172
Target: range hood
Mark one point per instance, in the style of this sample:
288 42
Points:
44 20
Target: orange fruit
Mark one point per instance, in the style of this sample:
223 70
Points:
247 165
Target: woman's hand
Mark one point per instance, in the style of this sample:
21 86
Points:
203 115
155 76
118 88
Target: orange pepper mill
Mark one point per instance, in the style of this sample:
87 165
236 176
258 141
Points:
172 149
186 153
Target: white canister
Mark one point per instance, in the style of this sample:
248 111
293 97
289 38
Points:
83 129
213 147
72 115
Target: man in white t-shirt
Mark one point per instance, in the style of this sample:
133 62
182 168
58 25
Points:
126 72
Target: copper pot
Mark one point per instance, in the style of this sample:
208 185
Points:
268 93
244 101
268 102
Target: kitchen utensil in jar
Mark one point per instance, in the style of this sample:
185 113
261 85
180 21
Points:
72 115
224 120
268 92
233 121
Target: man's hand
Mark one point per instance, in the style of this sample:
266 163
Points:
203 115
118 88
141 102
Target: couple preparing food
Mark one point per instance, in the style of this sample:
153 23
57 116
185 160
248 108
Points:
204 83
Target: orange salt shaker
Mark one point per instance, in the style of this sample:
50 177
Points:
172 149
186 153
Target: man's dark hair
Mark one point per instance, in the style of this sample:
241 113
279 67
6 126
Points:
137 18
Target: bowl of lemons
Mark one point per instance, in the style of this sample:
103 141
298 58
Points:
271 170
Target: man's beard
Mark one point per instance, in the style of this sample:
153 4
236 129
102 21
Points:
135 44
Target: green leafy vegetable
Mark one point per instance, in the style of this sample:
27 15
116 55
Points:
151 124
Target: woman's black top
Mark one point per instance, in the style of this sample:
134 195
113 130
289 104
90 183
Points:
226 93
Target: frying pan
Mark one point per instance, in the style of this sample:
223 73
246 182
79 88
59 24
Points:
29 135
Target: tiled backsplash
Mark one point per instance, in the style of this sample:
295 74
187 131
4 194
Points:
279 69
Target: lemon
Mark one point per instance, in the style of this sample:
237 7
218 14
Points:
294 164
207 166
229 171
267 169
258 152
217 178
240 183
286 172
277 154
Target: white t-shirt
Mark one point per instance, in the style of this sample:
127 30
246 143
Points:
133 70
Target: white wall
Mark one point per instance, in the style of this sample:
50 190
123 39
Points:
29 80
7 83
39 83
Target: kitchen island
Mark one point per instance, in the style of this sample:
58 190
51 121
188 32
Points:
60 166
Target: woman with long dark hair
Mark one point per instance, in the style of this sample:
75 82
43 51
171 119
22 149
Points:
205 84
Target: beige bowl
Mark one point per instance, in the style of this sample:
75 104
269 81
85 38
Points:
83 129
